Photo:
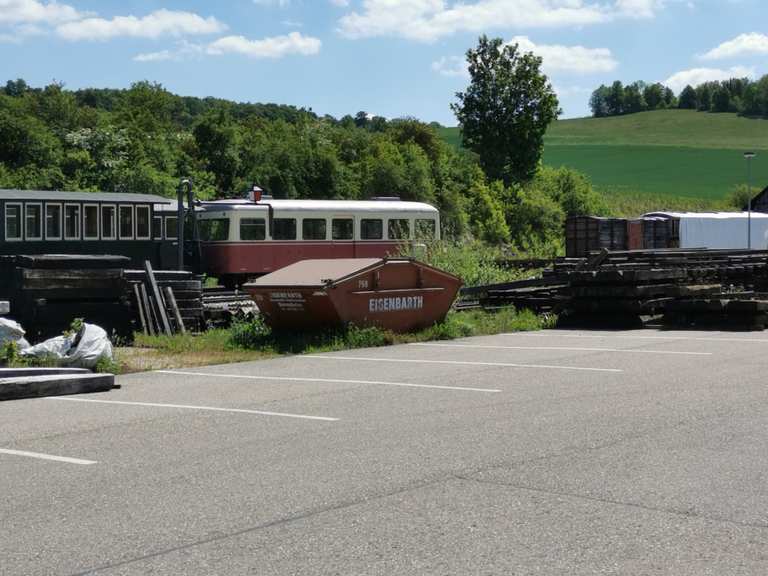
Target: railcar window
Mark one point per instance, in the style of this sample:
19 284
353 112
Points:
34 221
126 222
253 229
425 229
72 222
108 228
13 221
53 221
142 223
171 227
371 229
342 229
214 229
313 229
284 229
157 227
90 222
399 229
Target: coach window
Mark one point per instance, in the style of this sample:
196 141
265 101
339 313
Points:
142 223
284 229
72 221
399 229
342 229
126 222
171 227
313 229
214 229
108 222
34 221
253 229
53 221
157 227
371 229
425 229
13 221
90 221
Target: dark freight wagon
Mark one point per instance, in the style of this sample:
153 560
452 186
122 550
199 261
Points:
52 222
398 294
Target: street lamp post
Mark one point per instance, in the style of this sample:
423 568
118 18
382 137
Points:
748 156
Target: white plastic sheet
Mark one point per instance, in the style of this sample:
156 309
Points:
84 352
11 331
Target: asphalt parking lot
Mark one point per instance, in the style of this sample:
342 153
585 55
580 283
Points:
557 452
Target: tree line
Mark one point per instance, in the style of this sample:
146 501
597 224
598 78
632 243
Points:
740 95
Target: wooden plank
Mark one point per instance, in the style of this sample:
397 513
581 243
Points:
140 306
175 309
158 297
151 319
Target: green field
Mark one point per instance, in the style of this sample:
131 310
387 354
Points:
677 153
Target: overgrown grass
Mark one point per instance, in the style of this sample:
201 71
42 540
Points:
475 262
253 340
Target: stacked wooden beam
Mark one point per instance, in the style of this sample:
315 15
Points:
690 287
48 291
166 301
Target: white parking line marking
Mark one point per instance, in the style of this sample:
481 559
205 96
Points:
563 348
327 381
203 408
460 363
41 456
632 337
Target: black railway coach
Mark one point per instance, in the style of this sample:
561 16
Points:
140 226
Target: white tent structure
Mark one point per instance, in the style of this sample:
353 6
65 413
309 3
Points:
719 229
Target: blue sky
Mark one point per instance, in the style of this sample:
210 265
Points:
388 57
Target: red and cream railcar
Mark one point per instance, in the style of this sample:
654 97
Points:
242 239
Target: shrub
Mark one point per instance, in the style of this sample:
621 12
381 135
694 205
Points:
249 334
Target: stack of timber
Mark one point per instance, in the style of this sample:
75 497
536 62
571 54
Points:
584 234
221 306
48 291
166 301
689 287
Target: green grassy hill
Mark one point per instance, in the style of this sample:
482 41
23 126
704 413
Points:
665 153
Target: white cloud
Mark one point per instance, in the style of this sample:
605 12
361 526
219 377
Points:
743 44
555 58
280 3
34 12
274 47
340 3
159 23
696 76
428 20
571 59
451 66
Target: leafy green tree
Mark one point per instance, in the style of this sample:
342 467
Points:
216 138
654 96
688 99
721 99
615 99
505 110
598 101
633 99
704 97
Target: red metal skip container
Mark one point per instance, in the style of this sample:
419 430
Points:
398 294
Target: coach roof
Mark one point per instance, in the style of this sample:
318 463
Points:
59 196
325 205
